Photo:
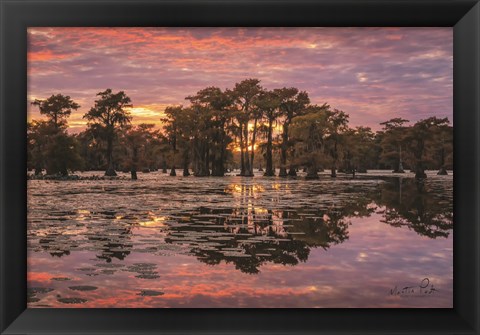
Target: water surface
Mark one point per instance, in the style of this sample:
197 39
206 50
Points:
379 240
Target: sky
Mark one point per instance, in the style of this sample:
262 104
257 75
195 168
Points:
372 74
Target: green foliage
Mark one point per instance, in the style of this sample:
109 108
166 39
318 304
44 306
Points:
292 104
48 144
109 113
110 110
393 140
57 108
222 129
309 131
138 143
61 154
425 134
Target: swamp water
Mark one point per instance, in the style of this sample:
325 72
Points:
379 240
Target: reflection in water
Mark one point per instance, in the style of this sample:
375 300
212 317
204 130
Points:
424 208
247 226
251 238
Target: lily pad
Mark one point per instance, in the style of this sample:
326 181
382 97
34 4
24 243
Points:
72 300
150 293
147 276
39 290
83 288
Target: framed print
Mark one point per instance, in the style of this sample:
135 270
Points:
239 167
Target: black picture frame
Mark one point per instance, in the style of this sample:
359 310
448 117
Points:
16 16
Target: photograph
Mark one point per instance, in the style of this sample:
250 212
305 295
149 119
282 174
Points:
240 167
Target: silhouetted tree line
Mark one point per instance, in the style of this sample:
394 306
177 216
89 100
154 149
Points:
221 130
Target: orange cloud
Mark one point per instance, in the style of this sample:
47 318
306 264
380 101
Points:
46 56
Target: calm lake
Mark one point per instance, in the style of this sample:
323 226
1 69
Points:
379 240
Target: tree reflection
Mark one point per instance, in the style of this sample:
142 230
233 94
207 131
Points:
252 237
115 246
255 231
420 206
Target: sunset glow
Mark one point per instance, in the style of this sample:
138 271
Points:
373 74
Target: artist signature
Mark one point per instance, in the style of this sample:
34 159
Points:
424 289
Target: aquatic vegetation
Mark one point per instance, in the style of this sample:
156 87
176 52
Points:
150 293
72 300
83 288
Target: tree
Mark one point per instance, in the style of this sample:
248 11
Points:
215 108
136 140
443 141
359 149
51 149
309 132
38 135
92 149
268 103
62 154
109 113
393 140
292 103
243 95
57 108
423 135
171 129
337 123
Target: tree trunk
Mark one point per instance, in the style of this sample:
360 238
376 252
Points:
312 172
252 155
443 170
334 166
202 164
133 169
196 157
247 156
269 156
283 151
110 169
218 167
292 172
420 171
333 172
207 160
419 168
186 162
218 170
242 159
63 170
164 166
400 162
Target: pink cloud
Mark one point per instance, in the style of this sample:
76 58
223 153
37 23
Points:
371 73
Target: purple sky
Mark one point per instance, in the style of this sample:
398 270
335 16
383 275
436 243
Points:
373 74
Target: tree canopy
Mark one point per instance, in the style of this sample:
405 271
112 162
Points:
245 127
